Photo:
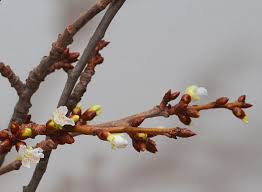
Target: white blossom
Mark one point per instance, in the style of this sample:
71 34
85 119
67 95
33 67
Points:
60 118
195 92
117 141
29 156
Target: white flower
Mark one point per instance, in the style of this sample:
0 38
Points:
29 156
117 141
195 92
60 118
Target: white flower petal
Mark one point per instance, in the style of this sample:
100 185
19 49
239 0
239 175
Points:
117 141
201 91
26 163
62 110
29 156
22 150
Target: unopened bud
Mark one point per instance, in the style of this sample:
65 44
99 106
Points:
19 144
4 135
186 98
96 108
222 101
75 118
151 146
142 136
238 112
242 98
184 119
14 127
77 110
25 133
5 146
88 115
185 133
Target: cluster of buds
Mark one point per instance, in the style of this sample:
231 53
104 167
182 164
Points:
185 111
65 62
15 138
59 124
144 142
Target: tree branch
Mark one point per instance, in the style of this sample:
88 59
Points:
86 76
14 80
72 79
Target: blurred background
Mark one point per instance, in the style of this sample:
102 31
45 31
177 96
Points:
155 45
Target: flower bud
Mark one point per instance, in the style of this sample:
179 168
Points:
14 127
185 133
222 101
139 145
19 144
52 126
184 119
75 118
186 98
25 133
151 146
238 112
242 98
4 135
88 115
96 108
117 141
77 110
142 136
5 146
245 119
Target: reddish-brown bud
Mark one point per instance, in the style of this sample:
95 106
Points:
186 98
4 134
88 115
242 98
5 146
246 105
185 133
184 119
222 100
139 145
73 57
14 127
19 144
102 135
151 146
238 112
175 95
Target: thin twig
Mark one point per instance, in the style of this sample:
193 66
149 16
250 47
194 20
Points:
14 80
15 165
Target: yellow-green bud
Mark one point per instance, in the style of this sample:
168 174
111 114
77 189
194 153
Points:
142 136
27 132
75 118
245 119
96 108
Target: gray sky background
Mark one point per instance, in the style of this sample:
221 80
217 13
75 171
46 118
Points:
155 46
